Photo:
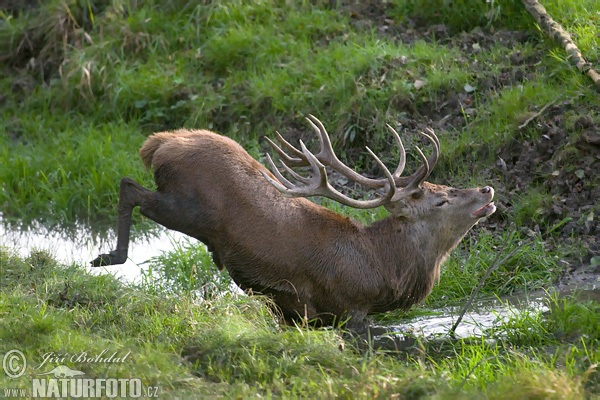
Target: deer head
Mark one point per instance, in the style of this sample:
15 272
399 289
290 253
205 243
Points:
410 197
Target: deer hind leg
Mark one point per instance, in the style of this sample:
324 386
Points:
131 194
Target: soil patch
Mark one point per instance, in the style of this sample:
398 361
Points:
563 162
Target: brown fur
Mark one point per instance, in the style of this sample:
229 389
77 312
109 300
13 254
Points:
313 262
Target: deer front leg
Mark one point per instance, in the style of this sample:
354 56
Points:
131 194
358 322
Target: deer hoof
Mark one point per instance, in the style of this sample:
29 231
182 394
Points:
108 259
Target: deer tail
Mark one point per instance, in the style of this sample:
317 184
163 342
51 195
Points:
151 145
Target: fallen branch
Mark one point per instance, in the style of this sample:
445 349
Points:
561 36
495 264
537 114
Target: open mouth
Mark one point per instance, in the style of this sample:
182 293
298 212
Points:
484 211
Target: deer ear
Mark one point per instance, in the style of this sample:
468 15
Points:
398 208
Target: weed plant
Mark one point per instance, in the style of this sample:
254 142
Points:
231 346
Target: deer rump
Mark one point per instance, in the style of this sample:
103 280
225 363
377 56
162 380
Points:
314 263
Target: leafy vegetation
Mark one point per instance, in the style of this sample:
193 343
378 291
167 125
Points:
231 346
85 81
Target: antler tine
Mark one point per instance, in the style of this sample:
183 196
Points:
432 160
431 133
294 174
402 162
275 183
317 185
294 162
436 146
424 170
287 144
316 129
390 178
412 184
327 156
425 167
277 174
317 167
417 178
326 147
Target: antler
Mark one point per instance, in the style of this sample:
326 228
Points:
318 185
327 156
419 176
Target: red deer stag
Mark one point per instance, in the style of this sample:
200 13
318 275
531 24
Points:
314 263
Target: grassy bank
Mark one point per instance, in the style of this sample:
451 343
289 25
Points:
230 345
84 82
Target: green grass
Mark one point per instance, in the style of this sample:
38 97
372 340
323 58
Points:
85 81
187 269
533 266
231 346
76 178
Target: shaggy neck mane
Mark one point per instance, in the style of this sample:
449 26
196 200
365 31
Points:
421 253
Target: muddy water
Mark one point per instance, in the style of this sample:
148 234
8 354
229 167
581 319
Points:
80 246
584 284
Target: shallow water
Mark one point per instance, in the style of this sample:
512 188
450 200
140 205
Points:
482 316
490 313
81 247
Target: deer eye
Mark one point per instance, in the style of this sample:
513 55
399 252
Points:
441 203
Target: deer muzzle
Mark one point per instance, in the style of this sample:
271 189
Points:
489 208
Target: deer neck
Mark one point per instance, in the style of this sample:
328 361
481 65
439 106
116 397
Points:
411 254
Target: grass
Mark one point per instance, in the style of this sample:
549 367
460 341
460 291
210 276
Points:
85 81
533 266
75 179
188 269
231 346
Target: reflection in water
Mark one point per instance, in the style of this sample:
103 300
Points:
80 246
474 323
